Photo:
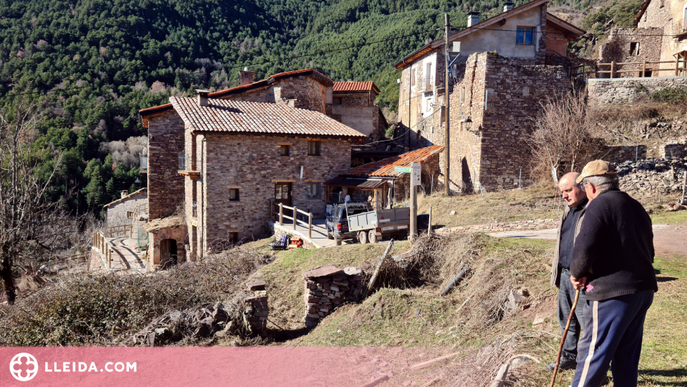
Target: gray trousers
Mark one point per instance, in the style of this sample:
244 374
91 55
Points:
566 297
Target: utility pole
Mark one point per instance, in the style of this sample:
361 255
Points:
447 103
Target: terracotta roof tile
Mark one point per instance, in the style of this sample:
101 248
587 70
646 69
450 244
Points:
386 167
259 118
355 86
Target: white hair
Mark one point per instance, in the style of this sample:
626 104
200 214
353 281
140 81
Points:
602 183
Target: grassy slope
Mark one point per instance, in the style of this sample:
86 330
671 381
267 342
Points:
419 317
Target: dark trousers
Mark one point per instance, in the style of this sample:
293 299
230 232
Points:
566 297
614 332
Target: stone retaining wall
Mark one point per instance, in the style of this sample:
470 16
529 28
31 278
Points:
652 177
626 90
678 150
619 154
257 308
328 287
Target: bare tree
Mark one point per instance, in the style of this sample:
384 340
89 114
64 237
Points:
563 138
28 223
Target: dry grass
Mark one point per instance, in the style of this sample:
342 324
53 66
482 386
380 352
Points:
106 309
536 202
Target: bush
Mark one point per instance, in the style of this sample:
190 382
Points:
106 309
673 95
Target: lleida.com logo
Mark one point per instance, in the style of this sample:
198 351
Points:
24 367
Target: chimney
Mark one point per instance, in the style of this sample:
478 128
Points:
508 6
473 18
246 76
124 193
202 97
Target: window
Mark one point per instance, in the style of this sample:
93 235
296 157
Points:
634 48
129 214
338 101
313 148
428 76
234 237
314 190
284 150
233 194
427 104
525 35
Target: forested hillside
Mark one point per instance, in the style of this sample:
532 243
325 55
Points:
91 65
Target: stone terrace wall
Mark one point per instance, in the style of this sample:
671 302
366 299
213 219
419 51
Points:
521 225
628 90
328 287
165 185
651 177
618 154
678 150
257 308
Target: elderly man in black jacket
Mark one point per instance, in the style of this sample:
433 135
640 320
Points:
612 260
568 228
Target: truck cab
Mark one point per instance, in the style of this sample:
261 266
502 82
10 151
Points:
337 220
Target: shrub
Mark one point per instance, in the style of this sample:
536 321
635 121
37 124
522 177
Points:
673 95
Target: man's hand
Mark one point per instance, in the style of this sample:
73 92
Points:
578 283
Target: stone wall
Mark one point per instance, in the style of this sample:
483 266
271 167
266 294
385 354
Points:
257 308
328 287
628 90
652 177
632 45
155 260
308 93
253 164
678 150
619 154
165 185
118 212
502 96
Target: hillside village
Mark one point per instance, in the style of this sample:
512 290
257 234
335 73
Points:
241 184
219 165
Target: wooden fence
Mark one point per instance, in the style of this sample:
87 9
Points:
277 215
593 71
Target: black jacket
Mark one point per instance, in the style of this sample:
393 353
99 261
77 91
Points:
614 248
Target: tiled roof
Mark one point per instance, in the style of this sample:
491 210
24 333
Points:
145 114
318 76
230 116
129 196
355 86
385 168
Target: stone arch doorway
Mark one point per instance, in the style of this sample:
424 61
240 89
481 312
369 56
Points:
168 252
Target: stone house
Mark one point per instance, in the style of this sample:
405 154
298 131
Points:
354 105
124 210
503 71
661 35
237 157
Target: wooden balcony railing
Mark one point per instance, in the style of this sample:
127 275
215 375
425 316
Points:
277 215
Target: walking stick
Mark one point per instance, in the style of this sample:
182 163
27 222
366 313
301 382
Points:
565 333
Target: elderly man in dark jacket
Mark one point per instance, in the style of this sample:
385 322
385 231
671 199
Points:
612 260
568 228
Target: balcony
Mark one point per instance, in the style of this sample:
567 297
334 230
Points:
185 166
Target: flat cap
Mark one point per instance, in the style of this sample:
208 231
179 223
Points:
596 168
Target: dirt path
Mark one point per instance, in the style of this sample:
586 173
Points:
671 239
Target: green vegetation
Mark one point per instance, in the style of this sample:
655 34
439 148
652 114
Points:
672 95
621 13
